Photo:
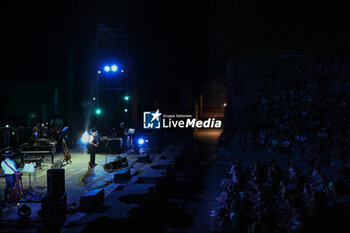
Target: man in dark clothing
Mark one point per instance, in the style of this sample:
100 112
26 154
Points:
121 134
93 144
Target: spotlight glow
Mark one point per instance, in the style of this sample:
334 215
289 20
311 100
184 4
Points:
85 138
98 111
141 141
125 110
107 68
114 68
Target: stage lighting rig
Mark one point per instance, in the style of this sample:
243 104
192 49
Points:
107 68
114 68
112 84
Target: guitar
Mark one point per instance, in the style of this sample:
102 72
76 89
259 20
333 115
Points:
16 193
66 155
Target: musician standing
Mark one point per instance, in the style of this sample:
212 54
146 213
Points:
121 132
92 148
10 169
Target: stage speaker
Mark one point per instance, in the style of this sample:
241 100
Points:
92 200
53 211
55 183
122 175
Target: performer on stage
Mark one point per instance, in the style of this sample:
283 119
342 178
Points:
10 169
121 134
93 144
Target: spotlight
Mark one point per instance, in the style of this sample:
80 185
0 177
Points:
126 98
99 72
141 141
107 68
114 68
94 98
224 104
122 71
7 126
98 111
85 138
125 110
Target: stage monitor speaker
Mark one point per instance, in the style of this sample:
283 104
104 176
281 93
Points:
117 163
92 200
55 183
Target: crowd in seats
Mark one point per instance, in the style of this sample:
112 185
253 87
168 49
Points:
304 112
264 197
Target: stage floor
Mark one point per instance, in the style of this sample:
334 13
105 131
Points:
78 177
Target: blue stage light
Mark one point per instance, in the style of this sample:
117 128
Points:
141 141
114 68
107 68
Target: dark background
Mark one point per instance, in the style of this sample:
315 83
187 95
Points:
48 45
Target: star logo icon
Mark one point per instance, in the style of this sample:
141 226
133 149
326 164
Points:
156 115
152 120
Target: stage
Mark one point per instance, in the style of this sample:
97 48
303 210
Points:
79 180
78 177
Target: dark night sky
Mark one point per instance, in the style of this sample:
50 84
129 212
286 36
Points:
41 40
38 36
53 42
166 37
